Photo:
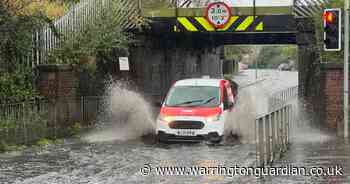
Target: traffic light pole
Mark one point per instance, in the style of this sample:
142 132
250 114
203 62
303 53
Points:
346 70
255 49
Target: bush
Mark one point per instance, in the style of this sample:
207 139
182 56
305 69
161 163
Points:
43 142
17 85
228 76
101 37
3 146
75 129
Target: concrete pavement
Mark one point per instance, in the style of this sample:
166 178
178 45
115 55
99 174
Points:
315 149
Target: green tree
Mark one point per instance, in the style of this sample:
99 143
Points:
16 30
100 37
272 56
290 51
16 33
236 52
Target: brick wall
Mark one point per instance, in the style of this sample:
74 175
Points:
59 84
56 81
332 94
320 85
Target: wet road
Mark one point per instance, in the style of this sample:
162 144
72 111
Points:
120 162
117 162
77 161
320 151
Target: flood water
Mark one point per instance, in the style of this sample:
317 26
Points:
98 158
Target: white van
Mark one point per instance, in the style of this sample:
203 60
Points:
196 109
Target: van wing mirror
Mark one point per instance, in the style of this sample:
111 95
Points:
230 105
158 104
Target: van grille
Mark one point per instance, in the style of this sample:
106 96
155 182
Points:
186 125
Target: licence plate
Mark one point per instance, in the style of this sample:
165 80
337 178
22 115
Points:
186 133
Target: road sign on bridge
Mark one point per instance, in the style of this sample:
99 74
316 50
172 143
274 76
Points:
218 14
226 16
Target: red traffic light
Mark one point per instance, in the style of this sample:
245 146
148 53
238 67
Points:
328 17
332 29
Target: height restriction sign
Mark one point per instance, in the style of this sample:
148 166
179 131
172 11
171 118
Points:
218 14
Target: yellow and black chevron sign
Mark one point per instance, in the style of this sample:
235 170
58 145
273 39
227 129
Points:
235 24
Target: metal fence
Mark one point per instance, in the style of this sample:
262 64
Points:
280 98
77 19
31 120
272 135
16 118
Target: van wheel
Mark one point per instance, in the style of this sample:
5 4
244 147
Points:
215 140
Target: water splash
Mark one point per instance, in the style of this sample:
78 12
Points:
302 129
126 115
253 101
240 122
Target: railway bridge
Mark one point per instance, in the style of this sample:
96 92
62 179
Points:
183 39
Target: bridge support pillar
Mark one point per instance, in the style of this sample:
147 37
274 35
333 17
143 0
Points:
320 85
161 61
309 68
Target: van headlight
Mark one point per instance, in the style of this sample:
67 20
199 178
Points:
213 118
164 118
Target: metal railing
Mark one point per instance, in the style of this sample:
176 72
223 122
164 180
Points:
280 98
272 135
308 8
17 118
78 18
29 121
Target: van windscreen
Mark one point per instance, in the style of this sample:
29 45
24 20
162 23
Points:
205 96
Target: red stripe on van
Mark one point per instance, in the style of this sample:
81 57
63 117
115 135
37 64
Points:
222 88
188 111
